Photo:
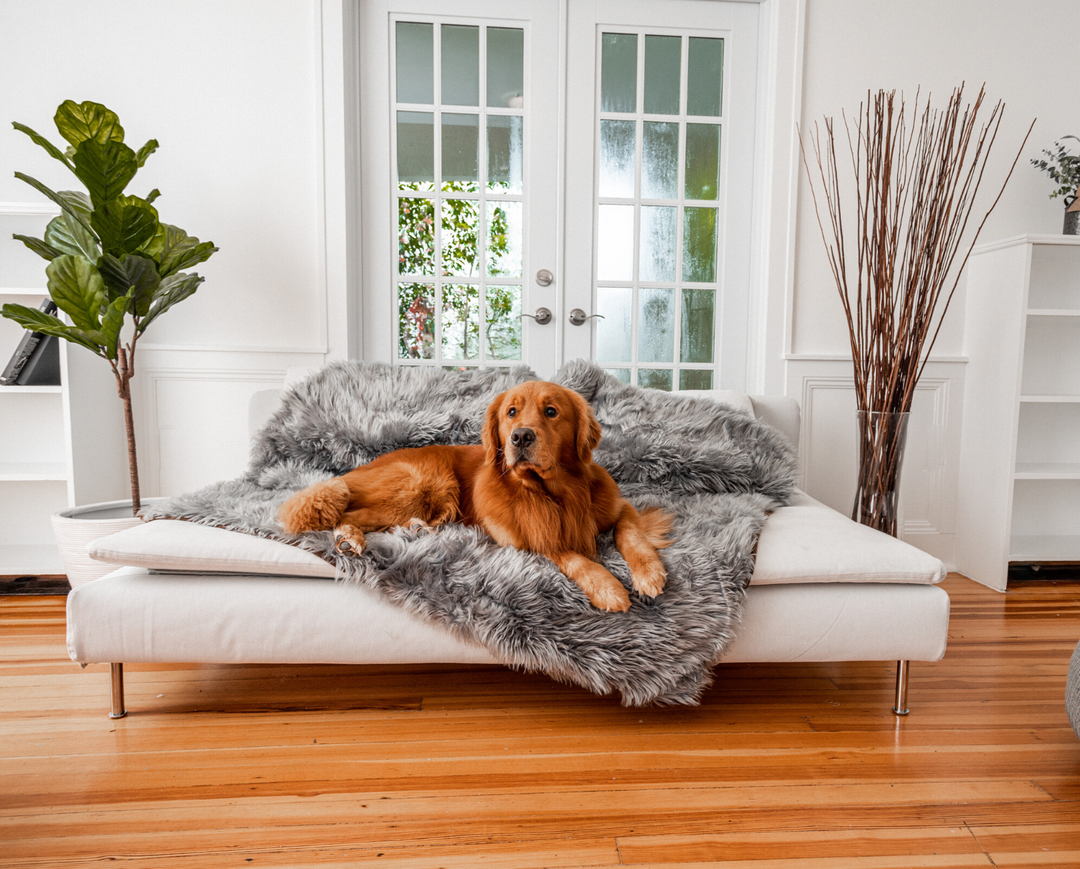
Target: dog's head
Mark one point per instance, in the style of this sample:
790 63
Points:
539 427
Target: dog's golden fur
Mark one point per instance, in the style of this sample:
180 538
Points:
531 484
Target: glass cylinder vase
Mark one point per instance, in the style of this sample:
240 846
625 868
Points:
882 437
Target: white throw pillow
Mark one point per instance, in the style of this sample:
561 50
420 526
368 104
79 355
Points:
185 547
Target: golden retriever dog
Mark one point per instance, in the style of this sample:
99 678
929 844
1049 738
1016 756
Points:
530 484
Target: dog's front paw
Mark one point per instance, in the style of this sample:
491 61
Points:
648 577
349 540
610 597
419 526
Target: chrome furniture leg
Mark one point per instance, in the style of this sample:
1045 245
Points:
901 707
116 672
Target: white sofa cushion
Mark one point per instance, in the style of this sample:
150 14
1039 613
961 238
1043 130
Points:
176 546
809 542
805 542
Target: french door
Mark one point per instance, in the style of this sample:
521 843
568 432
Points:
544 181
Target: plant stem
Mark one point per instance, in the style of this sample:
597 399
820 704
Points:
124 370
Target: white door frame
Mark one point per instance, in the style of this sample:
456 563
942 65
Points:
780 59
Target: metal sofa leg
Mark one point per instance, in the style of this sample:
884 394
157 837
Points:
116 672
901 707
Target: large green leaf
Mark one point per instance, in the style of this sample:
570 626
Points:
78 290
145 151
78 122
173 289
39 321
175 250
66 200
66 235
52 150
124 224
41 248
105 168
108 336
132 275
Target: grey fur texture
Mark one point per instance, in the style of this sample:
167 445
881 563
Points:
715 470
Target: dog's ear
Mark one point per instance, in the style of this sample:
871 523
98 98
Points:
588 429
489 433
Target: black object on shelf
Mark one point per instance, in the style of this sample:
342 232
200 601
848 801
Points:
36 361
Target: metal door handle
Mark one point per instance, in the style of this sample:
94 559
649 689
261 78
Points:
578 316
542 316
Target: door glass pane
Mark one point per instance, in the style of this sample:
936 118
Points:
416 150
416 237
659 160
504 237
503 326
698 322
690 378
704 76
460 150
613 332
460 321
658 243
505 67
663 55
699 245
618 72
460 210
618 152
415 63
620 374
460 227
656 325
655 378
416 321
460 65
615 243
702 161
504 153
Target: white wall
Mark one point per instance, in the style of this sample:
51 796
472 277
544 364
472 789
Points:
234 92
1022 52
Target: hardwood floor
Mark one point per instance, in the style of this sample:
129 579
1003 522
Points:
782 766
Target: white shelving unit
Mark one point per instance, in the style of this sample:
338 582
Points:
59 446
1019 498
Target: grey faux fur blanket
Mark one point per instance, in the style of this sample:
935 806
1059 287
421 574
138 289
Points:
716 470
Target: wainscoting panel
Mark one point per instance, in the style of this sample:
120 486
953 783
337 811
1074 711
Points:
828 452
192 419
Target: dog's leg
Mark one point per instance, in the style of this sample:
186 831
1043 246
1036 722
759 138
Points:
319 507
602 589
638 536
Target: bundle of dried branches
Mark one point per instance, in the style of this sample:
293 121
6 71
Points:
915 183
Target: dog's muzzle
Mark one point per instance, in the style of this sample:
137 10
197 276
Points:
522 441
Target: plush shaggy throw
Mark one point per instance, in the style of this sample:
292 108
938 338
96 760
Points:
717 471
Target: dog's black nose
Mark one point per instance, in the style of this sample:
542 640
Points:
522 437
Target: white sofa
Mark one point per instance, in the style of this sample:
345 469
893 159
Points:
824 588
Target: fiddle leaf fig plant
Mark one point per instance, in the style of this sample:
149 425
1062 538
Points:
114 267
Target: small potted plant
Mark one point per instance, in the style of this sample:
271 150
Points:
1064 170
114 268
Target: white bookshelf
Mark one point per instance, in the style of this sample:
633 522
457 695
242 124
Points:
60 446
1019 498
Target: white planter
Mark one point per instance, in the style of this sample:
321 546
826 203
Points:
77 527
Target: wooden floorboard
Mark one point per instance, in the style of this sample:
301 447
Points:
781 766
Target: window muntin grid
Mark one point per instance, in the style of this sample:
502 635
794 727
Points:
658 198
458 123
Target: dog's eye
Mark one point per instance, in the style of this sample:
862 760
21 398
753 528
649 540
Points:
512 412
551 412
